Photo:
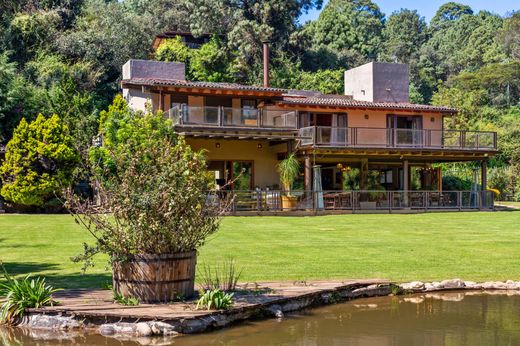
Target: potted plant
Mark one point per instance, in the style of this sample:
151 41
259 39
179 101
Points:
289 168
154 212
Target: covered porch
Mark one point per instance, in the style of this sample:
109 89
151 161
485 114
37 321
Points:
382 181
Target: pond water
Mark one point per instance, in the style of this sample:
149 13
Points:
452 318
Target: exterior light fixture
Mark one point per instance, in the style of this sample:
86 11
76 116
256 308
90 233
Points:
217 145
259 146
366 116
339 166
432 119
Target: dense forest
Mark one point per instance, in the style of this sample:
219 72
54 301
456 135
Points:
64 57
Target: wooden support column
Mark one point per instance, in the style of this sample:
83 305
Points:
363 174
161 101
439 179
483 175
289 147
406 175
406 181
483 183
308 173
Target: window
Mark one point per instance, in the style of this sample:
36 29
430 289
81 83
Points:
249 109
405 130
236 175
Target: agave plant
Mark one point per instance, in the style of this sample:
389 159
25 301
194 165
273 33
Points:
19 295
215 299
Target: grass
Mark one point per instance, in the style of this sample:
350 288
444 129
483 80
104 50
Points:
473 246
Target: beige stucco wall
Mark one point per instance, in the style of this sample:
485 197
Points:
264 159
137 100
435 126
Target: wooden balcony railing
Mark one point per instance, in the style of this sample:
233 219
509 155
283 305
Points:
232 117
366 137
271 200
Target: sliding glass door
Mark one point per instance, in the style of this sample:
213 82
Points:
405 131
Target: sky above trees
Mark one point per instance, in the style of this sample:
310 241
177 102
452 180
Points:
428 8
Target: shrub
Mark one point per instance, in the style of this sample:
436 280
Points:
453 183
222 276
19 295
215 299
39 161
153 188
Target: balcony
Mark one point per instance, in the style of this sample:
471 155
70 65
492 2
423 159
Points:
220 117
365 137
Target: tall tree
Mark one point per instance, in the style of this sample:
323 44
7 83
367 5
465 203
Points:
510 35
106 36
467 43
349 25
449 12
403 35
17 97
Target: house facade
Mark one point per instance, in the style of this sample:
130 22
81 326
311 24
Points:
369 149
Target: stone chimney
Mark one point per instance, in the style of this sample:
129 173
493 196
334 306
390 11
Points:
378 82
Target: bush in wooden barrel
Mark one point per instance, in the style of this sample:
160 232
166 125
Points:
156 278
154 211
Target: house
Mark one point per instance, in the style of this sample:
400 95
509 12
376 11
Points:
368 149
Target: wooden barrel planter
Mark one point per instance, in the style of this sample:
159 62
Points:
156 278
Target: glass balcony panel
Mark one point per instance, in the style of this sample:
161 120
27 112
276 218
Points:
278 118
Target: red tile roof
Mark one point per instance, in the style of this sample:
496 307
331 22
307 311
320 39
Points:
292 97
190 84
348 102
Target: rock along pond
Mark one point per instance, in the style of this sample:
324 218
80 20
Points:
448 318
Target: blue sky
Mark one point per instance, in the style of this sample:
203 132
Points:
428 8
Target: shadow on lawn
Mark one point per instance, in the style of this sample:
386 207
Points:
69 281
81 281
24 268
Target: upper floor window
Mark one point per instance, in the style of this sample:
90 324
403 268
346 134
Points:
249 110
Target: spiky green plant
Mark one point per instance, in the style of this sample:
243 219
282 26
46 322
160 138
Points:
122 300
224 275
19 295
215 299
288 169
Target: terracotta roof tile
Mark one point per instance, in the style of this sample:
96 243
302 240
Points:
291 97
209 85
327 100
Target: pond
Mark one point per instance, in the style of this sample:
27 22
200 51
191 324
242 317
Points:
451 318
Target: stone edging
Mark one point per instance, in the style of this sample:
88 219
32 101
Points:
220 319
199 324
458 284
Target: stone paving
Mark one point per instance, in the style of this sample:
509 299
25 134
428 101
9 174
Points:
96 309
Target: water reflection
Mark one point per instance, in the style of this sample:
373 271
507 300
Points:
454 318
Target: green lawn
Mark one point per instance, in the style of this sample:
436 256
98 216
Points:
472 246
